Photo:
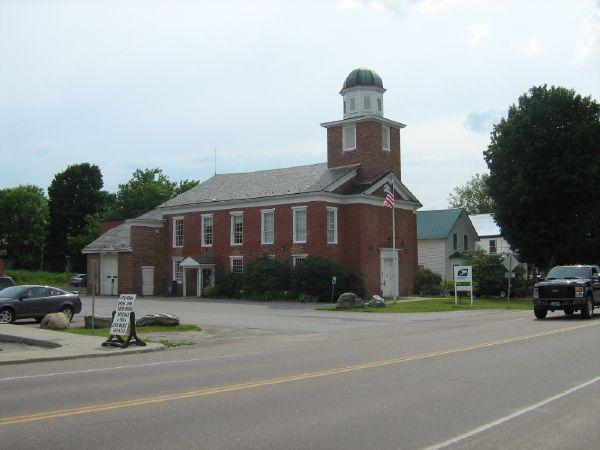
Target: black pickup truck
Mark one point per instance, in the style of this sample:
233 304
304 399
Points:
570 289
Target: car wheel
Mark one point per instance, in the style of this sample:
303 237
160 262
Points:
68 311
588 309
7 316
540 313
569 311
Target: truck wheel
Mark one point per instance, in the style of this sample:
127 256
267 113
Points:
569 311
540 313
588 309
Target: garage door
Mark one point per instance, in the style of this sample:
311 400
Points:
109 274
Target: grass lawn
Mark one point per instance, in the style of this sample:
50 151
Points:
443 304
103 332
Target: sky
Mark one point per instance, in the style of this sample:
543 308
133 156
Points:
142 84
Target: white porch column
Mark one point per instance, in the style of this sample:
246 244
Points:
199 283
184 282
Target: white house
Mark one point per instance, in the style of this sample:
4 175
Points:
490 235
445 238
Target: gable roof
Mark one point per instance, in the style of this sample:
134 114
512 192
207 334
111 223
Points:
116 239
436 224
264 183
485 225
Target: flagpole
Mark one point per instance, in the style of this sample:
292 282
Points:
394 246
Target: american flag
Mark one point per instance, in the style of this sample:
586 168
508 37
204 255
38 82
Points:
389 195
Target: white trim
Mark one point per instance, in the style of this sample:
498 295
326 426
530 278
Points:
202 217
335 224
231 235
236 258
174 222
264 212
300 256
368 117
398 187
327 197
295 209
344 128
340 182
159 223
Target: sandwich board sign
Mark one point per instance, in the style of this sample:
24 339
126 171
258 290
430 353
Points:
463 281
122 316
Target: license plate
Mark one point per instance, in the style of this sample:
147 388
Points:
554 303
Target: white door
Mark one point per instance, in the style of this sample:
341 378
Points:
147 280
387 282
109 274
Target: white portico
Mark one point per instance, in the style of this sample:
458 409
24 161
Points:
205 272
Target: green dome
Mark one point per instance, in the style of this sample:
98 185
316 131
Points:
363 77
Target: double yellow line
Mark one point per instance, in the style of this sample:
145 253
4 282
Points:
273 381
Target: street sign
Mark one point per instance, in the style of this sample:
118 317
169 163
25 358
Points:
122 314
463 273
333 280
510 262
463 281
509 274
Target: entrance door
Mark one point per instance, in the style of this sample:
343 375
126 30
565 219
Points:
387 281
109 274
147 280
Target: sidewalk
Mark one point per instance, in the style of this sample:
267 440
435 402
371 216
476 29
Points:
55 345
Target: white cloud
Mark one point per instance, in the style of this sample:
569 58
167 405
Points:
587 42
478 33
482 121
435 6
401 6
529 46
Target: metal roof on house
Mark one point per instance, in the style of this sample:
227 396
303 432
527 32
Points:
485 225
264 183
436 224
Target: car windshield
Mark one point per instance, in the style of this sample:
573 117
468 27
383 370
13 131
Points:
568 273
10 292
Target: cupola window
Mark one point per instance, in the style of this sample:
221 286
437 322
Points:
367 103
378 105
352 104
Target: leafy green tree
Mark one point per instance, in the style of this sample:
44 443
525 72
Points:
91 231
265 274
147 189
488 274
73 194
184 185
474 196
544 166
23 225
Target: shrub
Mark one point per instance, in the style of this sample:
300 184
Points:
228 284
307 298
312 276
425 277
448 286
488 274
266 275
38 277
209 291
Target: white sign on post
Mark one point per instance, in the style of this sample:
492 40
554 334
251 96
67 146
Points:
463 274
121 320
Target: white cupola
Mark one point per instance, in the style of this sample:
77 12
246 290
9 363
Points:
362 93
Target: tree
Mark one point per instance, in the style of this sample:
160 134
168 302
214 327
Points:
545 176
90 232
146 190
184 185
24 225
73 194
474 196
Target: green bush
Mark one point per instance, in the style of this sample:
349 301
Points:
307 298
210 291
38 277
229 284
488 273
425 277
266 275
312 276
448 286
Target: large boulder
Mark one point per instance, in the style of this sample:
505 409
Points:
377 302
55 321
158 319
99 321
349 300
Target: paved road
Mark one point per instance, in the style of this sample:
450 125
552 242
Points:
498 379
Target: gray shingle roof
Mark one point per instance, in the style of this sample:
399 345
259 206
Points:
115 239
436 224
264 183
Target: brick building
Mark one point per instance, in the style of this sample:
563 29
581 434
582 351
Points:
334 209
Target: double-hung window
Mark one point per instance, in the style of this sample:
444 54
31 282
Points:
177 231
207 230
299 224
177 270
349 137
385 138
493 248
455 241
237 228
237 264
465 242
332 225
267 222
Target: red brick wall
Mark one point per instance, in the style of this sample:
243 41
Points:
108 224
368 153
